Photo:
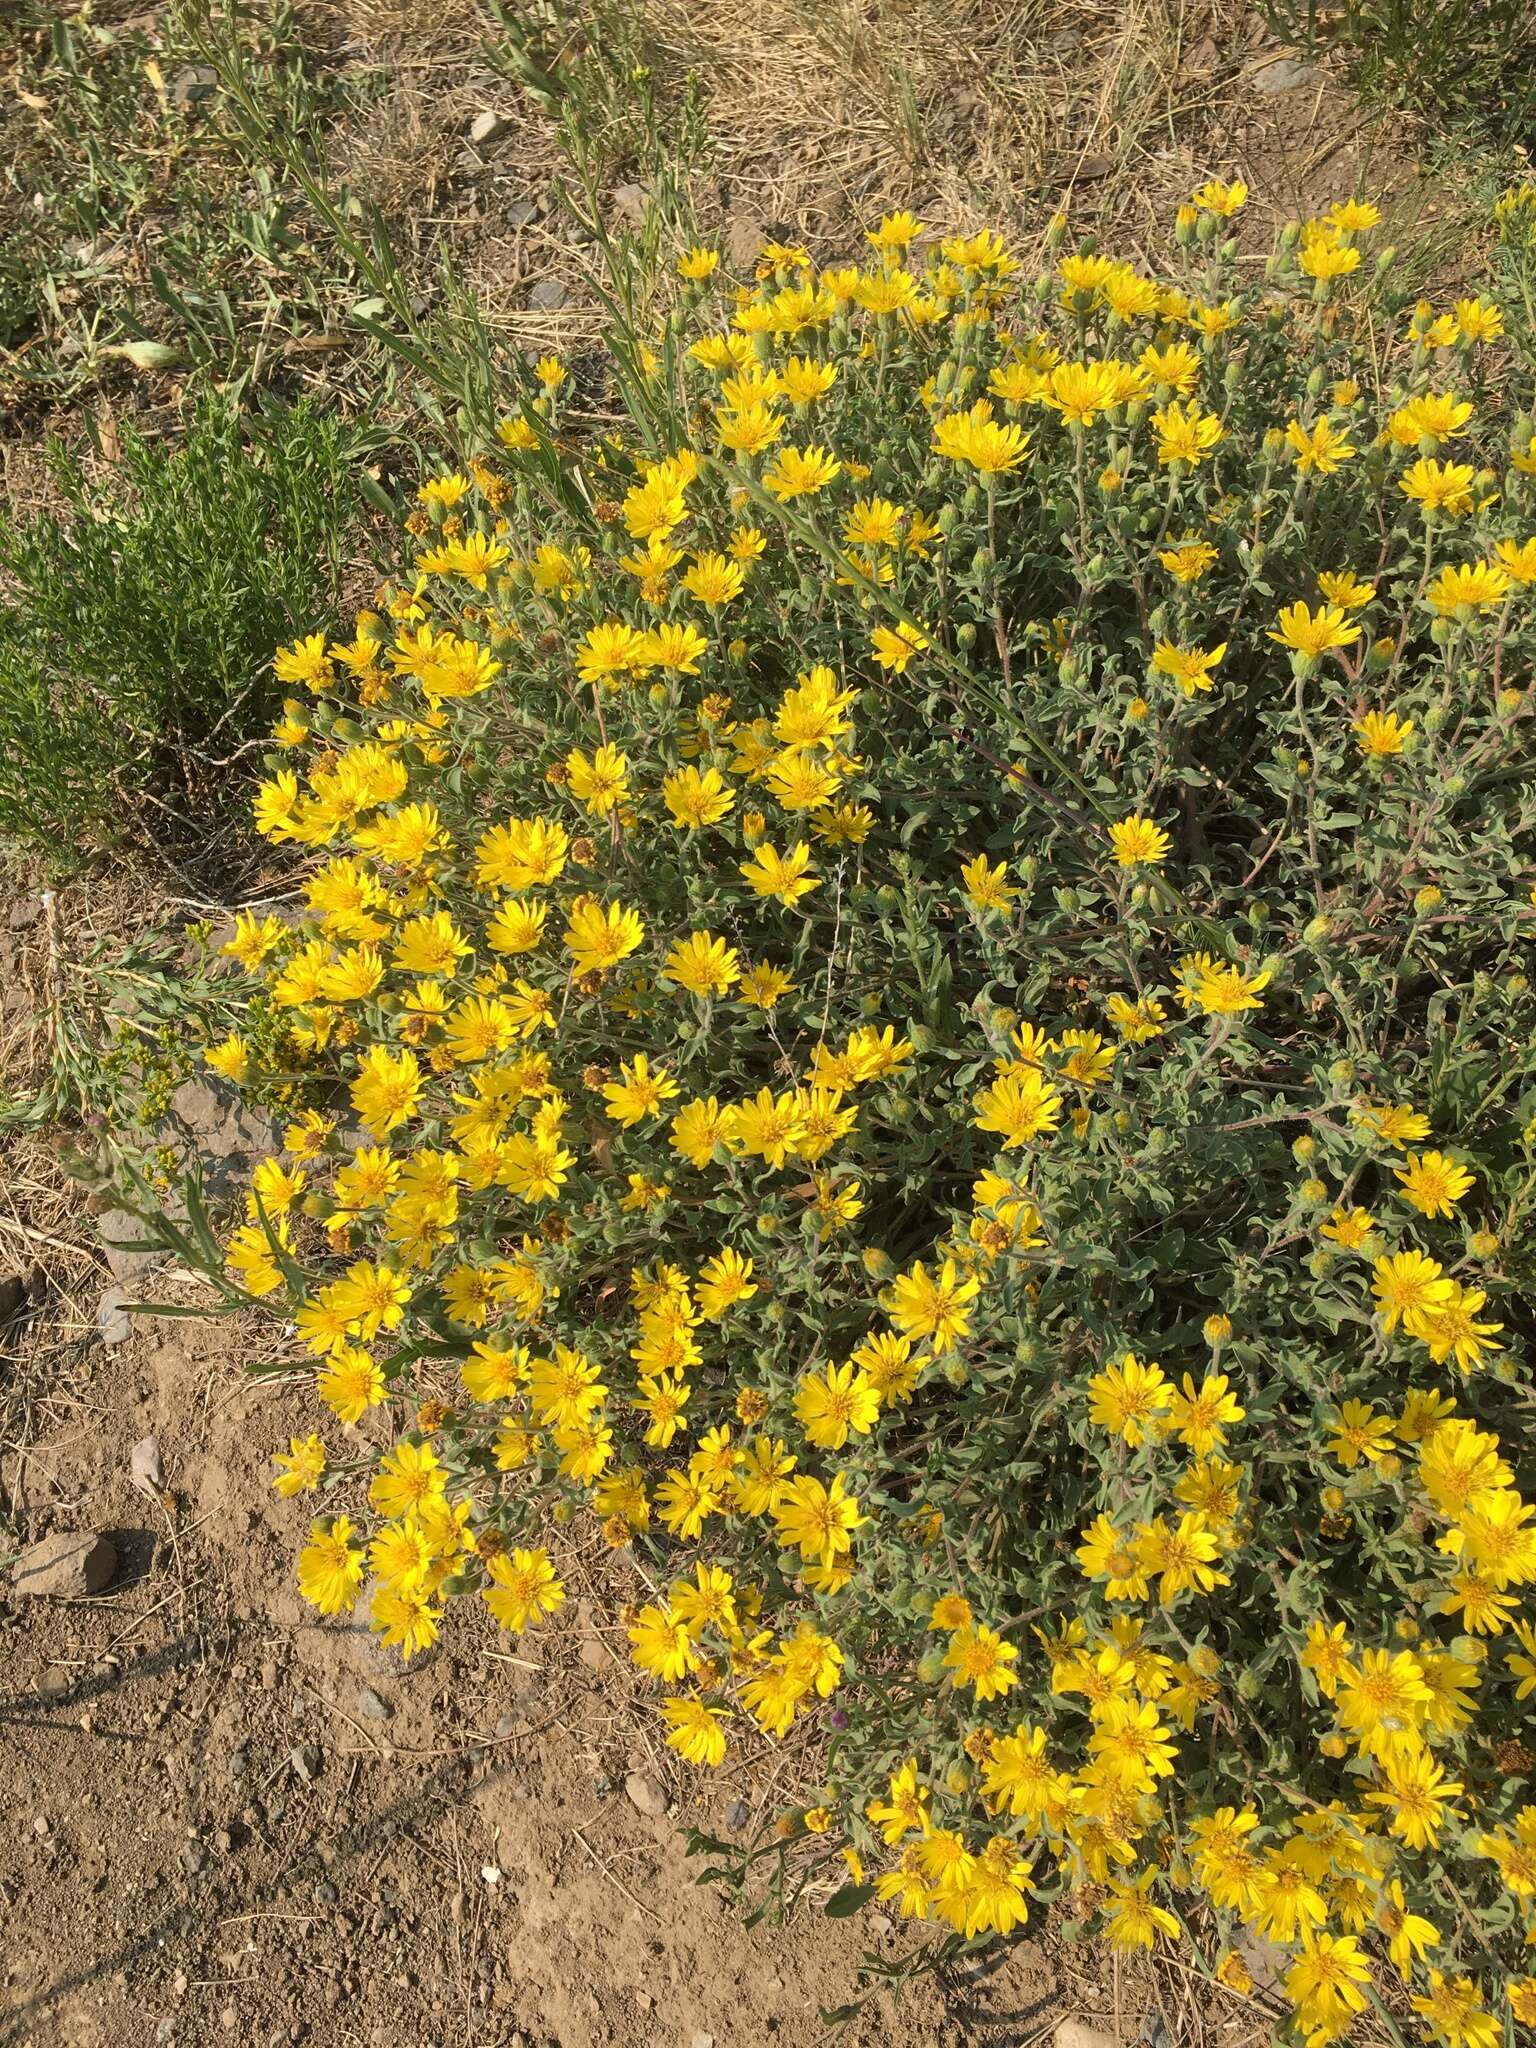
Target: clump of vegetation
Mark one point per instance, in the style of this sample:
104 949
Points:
137 619
1451 62
915 995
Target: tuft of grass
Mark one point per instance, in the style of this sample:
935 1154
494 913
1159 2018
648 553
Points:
137 620
1463 66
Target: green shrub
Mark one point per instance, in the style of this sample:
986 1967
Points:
137 621
915 1001
1462 65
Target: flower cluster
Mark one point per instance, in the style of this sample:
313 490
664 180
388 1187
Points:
912 995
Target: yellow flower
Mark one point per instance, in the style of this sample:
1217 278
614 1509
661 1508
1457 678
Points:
986 445
1382 733
301 1467
698 264
1189 667
697 1733
1222 199
1438 486
1433 1183
1477 587
987 888
598 938
788 876
714 580
1189 561
978 1657
1126 1397
1139 842
831 1403
1477 321
639 1091
696 799
894 646
1320 450
1306 633
1410 1289
703 964
800 472
935 1306
523 1588
1185 434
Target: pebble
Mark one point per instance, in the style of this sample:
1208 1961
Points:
306 1762
548 295
520 212
1077 2034
238 1760
193 82
488 126
65 1565
1286 74
642 1791
594 1656
737 1815
269 1677
145 1468
371 1706
113 1322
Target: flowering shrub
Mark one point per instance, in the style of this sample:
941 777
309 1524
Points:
912 994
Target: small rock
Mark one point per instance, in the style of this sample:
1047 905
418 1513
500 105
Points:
25 912
487 127
195 1857
642 1791
239 1759
125 1245
520 212
224 1841
370 1706
702 2040
112 1318
269 1677
13 1295
1286 74
193 82
1077 2034
145 1469
306 1762
548 295
629 202
593 1655
65 1566
54 1684
326 1893
882 1924
229 2019
736 1815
